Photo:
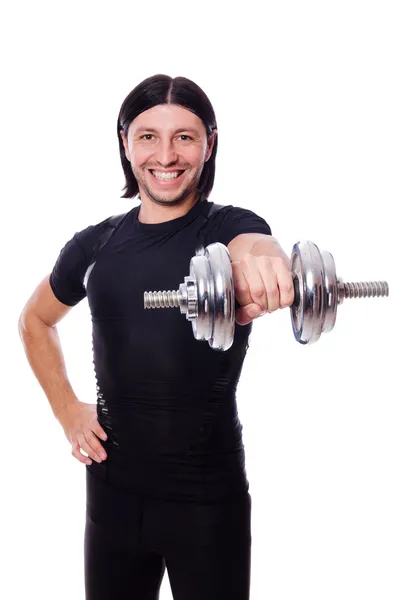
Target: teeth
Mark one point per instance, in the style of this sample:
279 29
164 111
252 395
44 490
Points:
173 175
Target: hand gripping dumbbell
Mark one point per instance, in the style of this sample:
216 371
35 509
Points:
207 295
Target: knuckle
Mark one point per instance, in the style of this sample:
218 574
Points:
286 287
242 289
85 433
97 428
245 262
94 443
272 291
266 260
257 290
84 446
90 436
99 450
94 450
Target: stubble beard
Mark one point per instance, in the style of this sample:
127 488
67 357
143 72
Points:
164 200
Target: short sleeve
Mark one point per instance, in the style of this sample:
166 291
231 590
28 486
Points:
67 276
231 221
68 273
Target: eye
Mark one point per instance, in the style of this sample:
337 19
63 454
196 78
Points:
150 135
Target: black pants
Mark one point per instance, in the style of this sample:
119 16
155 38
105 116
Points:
129 541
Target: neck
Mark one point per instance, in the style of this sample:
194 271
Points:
150 212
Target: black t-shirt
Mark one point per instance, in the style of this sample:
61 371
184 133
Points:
166 400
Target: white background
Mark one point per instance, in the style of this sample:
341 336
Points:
305 96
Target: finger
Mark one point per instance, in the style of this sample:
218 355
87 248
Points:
241 287
254 269
246 314
80 457
84 445
270 281
285 282
97 429
95 444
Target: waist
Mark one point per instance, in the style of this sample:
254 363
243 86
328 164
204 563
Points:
132 392
169 425
210 477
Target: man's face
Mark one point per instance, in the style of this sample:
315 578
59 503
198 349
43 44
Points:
167 139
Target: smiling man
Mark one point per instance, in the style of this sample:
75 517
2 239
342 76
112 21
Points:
165 461
184 149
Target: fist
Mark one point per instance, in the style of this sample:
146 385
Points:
262 284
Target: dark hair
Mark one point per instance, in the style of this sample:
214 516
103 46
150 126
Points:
162 89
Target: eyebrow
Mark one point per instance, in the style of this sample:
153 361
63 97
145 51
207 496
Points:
179 130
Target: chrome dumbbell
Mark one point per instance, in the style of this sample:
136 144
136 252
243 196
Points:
207 295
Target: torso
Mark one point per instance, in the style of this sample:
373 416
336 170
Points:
166 400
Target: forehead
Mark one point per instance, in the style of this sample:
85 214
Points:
167 118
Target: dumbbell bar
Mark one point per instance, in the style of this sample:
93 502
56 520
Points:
207 295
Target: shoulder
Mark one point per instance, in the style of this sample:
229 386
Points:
89 237
70 268
231 211
226 221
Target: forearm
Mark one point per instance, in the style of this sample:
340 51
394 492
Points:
257 245
270 247
44 353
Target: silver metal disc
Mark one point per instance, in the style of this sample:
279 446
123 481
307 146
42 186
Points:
308 318
221 296
202 323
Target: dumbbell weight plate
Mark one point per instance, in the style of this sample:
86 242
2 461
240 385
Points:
201 273
316 291
215 296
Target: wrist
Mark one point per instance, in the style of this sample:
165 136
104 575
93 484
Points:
63 408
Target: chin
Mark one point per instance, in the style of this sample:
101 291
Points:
168 201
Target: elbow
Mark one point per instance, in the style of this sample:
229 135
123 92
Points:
22 324
27 323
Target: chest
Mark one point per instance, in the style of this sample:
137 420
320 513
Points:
126 268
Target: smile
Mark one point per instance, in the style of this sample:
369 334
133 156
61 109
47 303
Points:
165 178
166 175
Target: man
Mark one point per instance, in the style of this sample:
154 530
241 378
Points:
166 480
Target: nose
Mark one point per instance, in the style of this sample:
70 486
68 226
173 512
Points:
166 153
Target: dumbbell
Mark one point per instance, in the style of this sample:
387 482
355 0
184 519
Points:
207 295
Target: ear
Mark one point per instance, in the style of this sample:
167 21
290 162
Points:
125 144
211 143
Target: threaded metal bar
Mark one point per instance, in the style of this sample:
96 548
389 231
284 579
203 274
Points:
169 299
365 289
